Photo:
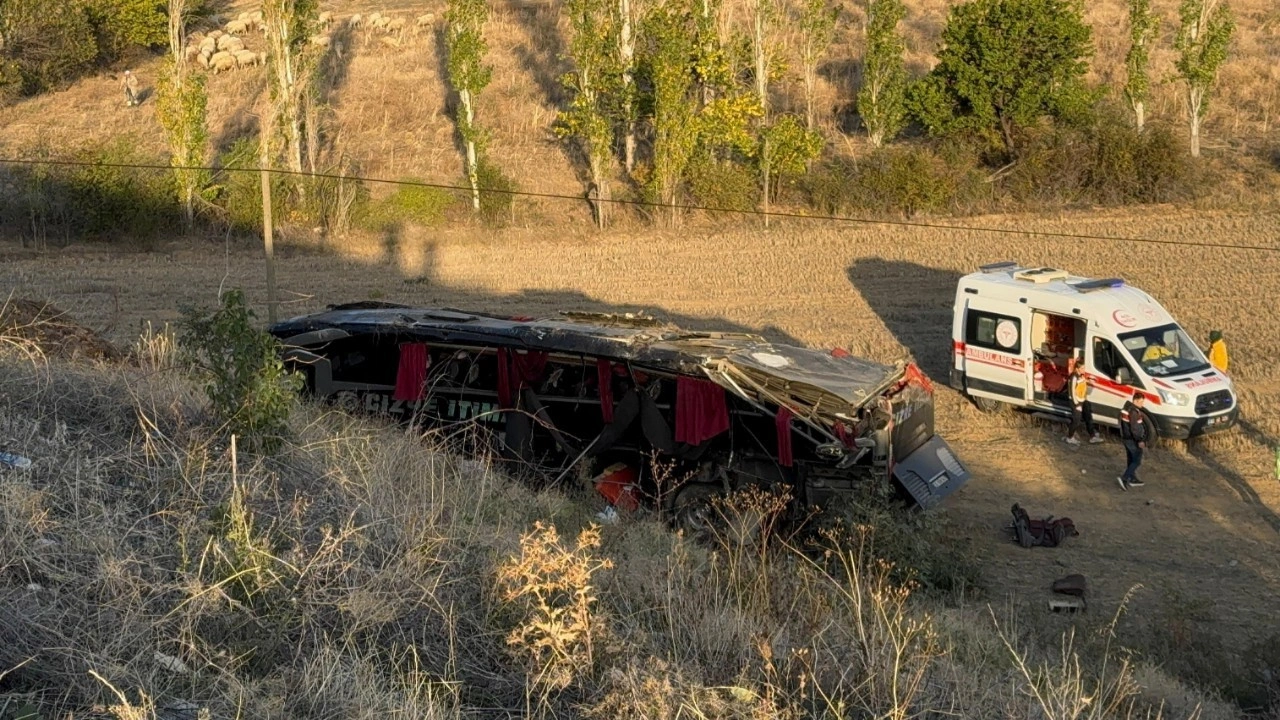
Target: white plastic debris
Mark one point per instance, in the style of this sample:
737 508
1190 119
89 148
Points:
171 663
15 461
608 515
34 587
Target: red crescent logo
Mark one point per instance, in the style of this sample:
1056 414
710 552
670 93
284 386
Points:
1124 319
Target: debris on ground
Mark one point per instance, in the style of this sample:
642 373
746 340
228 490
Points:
1070 591
8 459
51 331
1046 532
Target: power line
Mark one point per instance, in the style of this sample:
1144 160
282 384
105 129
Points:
655 205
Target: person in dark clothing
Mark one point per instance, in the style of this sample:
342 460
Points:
1134 432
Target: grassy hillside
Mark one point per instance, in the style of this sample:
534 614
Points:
149 570
390 113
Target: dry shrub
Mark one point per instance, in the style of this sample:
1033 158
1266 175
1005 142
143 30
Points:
550 589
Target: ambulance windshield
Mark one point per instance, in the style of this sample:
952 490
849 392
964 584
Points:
1164 350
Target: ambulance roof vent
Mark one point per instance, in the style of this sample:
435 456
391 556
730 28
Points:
1041 275
1091 285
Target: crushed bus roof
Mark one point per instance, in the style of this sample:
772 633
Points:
729 359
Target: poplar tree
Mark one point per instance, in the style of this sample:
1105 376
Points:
625 43
669 46
291 61
817 24
763 18
468 75
1203 40
181 107
1137 87
882 99
592 82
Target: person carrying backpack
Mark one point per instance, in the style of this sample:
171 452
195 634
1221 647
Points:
1134 433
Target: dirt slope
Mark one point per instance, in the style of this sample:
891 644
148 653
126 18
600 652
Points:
1206 528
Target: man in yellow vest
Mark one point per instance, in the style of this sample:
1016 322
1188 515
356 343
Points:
1081 413
1218 351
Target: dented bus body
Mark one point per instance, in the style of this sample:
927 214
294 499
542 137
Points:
611 392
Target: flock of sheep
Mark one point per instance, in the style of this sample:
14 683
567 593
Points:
224 49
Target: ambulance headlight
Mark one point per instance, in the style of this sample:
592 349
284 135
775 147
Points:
1173 397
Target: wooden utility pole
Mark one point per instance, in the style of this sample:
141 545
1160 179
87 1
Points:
267 242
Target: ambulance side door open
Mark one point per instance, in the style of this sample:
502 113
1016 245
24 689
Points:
995 364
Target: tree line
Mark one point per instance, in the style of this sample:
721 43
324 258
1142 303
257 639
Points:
677 97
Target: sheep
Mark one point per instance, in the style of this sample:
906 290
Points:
246 58
395 25
191 52
255 16
389 41
203 59
245 17
355 21
215 34
379 23
320 40
230 42
208 46
425 21
222 62
325 19
236 27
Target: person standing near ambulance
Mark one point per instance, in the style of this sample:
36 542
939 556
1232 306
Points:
1081 412
1133 430
1218 351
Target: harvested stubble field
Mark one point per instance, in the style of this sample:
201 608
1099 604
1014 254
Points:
1201 538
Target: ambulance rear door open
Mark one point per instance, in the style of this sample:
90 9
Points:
994 348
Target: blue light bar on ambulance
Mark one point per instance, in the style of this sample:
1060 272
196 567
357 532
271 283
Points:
996 267
1091 285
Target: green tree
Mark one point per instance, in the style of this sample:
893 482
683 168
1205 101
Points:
791 147
1203 40
129 23
468 75
1137 87
626 97
592 83
249 388
763 19
1003 65
43 43
181 103
882 101
817 26
291 63
669 43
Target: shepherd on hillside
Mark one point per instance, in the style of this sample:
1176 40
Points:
130 85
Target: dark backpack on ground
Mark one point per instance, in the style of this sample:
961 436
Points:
1049 532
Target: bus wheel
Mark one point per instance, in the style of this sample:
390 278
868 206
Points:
987 405
692 508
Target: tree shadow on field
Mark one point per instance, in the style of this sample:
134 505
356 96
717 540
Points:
543 52
914 303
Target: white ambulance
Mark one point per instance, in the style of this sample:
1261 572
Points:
1014 329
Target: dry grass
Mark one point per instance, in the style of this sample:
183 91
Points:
147 572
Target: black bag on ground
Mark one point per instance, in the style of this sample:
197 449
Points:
1049 532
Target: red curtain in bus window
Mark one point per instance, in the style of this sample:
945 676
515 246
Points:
411 375
701 410
782 421
604 377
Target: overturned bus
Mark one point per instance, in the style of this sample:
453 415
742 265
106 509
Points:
719 410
